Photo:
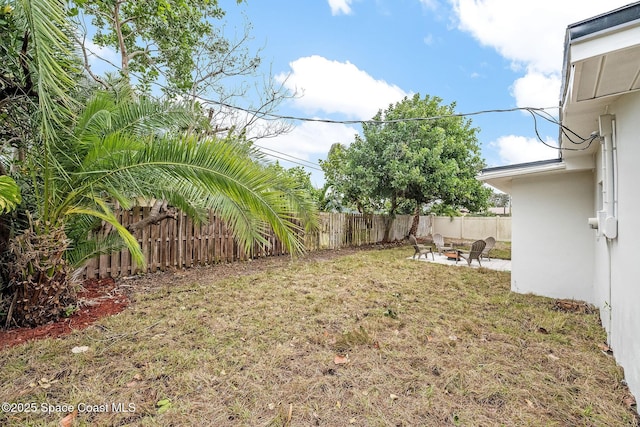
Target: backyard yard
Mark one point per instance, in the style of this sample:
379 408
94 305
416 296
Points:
352 337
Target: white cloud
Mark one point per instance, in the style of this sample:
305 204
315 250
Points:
340 6
514 149
338 87
530 35
537 89
428 39
310 140
430 4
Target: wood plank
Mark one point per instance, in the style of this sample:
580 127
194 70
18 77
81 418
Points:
145 238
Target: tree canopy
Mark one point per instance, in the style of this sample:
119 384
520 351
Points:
414 154
152 38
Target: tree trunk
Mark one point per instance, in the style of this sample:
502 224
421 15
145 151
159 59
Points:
40 279
416 220
388 220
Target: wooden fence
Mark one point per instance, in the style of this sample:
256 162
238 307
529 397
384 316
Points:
180 243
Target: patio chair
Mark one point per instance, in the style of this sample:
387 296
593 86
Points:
438 240
491 242
475 253
420 249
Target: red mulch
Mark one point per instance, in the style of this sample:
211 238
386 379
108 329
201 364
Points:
98 298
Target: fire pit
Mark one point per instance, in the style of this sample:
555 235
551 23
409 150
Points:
452 255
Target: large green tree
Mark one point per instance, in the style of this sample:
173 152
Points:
152 38
417 152
83 159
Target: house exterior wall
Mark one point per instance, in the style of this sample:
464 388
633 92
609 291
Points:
550 229
624 287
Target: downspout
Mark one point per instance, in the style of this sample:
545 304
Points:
607 221
607 217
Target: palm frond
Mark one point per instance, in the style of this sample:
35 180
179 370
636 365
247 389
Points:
47 24
129 240
9 194
85 250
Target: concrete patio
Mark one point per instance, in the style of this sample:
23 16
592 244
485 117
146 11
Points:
494 264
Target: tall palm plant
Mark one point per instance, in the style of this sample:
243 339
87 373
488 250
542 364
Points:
115 148
124 148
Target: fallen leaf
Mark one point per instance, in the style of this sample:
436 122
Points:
288 423
629 400
340 360
163 405
605 348
68 420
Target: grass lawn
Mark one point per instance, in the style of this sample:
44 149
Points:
369 338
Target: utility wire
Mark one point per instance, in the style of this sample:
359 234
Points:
309 165
298 159
535 113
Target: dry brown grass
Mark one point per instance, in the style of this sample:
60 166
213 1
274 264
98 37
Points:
425 345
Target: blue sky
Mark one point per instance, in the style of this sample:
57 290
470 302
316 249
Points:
349 58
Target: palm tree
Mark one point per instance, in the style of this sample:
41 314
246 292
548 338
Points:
117 147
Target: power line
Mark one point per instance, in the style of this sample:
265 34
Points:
310 165
298 161
535 113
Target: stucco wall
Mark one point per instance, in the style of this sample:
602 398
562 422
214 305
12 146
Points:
624 333
552 245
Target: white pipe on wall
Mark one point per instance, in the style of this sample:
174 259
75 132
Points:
607 222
